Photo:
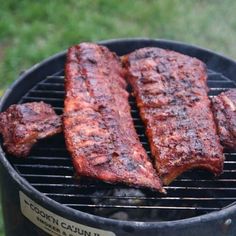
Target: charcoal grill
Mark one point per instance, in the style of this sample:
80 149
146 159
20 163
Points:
44 188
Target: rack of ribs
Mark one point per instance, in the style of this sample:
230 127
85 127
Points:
224 109
98 127
171 94
21 125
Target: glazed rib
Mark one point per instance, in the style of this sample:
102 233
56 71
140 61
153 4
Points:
224 109
171 94
98 127
23 124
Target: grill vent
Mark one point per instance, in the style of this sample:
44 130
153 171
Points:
49 170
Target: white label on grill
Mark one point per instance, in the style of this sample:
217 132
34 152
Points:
54 224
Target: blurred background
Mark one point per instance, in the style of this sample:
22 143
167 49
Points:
30 31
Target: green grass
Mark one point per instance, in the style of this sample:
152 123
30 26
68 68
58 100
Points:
33 30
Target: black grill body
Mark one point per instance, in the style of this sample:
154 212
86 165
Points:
196 203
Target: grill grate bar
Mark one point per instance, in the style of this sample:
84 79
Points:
141 198
44 99
223 82
218 89
43 93
111 187
142 207
38 158
205 180
229 171
56 77
52 84
43 166
48 176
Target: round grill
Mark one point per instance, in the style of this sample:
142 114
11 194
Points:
49 168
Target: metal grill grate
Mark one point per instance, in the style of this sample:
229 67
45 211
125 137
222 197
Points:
49 170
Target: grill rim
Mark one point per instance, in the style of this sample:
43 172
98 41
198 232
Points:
91 219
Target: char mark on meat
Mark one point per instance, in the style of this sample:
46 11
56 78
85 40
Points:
171 94
99 130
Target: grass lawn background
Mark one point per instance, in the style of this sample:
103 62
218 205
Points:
33 30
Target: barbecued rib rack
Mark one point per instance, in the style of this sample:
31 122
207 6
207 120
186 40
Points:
49 169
